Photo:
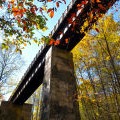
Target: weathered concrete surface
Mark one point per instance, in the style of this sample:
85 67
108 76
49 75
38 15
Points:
59 87
9 111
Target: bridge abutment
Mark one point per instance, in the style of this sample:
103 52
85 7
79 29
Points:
10 111
59 87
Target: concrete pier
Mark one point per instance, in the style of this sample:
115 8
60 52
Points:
59 87
10 111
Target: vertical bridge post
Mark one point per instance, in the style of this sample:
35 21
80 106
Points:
59 87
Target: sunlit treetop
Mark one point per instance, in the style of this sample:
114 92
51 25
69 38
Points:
20 18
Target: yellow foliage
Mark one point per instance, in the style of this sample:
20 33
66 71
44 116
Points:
44 29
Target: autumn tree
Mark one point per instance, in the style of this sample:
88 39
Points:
10 64
21 18
97 63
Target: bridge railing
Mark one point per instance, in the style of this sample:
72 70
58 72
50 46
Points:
35 58
62 17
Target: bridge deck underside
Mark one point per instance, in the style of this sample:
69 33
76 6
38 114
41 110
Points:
31 80
74 20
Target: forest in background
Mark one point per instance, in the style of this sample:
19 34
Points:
97 67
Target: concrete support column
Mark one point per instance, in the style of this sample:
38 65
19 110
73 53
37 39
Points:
10 111
59 87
